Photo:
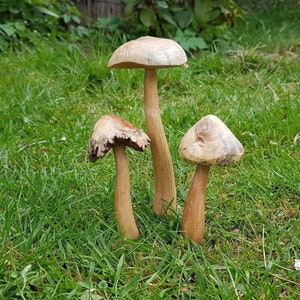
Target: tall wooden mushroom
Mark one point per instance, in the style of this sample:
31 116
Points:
111 131
208 142
151 53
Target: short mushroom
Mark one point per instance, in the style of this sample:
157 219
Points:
208 142
111 131
151 53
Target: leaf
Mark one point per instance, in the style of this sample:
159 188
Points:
214 14
201 11
3 41
76 19
189 41
130 6
162 4
167 16
133 282
13 10
147 17
19 25
179 35
82 31
9 28
189 33
119 270
67 18
46 11
195 43
225 11
120 266
184 18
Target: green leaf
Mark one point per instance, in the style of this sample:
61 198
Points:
19 25
224 10
201 11
130 6
119 270
76 19
179 35
3 41
46 11
189 41
214 14
184 18
13 10
147 17
66 18
82 31
9 28
189 33
196 43
167 16
162 4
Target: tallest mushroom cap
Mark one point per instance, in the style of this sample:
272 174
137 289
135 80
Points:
148 52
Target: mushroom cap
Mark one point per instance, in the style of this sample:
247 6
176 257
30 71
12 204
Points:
111 129
148 52
210 142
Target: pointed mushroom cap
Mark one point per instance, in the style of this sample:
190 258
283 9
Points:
148 52
111 129
210 142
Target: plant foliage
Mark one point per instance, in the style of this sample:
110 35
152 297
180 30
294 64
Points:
29 20
194 24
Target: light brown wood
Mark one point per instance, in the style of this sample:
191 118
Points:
165 188
210 142
123 204
193 221
110 129
148 52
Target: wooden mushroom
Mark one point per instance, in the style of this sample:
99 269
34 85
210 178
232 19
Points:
151 53
111 131
208 142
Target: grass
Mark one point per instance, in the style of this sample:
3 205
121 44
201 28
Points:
58 234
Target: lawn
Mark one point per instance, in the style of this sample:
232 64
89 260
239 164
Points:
58 232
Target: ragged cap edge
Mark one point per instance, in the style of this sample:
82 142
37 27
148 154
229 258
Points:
111 129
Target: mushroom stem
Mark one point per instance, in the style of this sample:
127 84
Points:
123 205
193 222
164 180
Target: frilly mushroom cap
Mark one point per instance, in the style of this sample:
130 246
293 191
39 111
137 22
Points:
210 142
111 129
148 52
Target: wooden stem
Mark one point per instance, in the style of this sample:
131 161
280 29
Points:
123 205
193 222
164 180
